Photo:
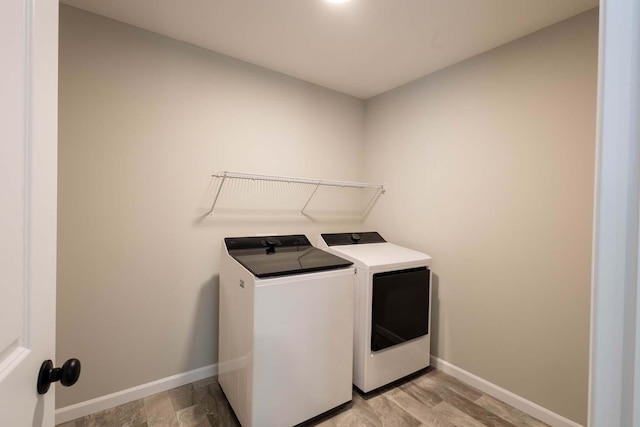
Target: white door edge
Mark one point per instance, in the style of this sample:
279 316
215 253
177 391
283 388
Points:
614 380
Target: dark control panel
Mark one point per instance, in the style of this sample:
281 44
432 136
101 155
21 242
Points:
336 239
295 242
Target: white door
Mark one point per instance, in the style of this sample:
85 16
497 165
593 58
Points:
28 173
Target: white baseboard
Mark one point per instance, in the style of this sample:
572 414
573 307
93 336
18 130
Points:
506 396
98 404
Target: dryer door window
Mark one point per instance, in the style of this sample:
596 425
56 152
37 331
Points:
400 309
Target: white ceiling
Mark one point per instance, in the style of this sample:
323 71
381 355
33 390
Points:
362 47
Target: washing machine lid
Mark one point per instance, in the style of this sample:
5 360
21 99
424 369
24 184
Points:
377 252
275 256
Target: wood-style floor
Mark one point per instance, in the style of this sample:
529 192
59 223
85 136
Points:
431 399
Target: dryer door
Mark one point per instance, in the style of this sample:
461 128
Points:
400 309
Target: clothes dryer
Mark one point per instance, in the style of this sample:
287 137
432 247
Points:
392 307
285 341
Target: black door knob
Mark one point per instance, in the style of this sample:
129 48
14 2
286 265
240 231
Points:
67 375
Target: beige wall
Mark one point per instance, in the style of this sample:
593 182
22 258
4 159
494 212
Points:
144 121
490 167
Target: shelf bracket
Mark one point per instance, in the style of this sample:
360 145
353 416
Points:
313 193
215 200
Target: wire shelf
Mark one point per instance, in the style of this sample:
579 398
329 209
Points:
302 191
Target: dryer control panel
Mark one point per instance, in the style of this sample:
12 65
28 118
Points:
337 239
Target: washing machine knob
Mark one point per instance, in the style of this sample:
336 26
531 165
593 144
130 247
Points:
271 245
355 237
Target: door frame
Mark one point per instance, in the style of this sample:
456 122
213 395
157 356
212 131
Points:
614 380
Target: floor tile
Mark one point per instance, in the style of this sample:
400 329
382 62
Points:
454 384
419 410
193 416
455 416
160 411
422 395
433 399
509 413
130 414
454 394
215 405
390 413
182 397
99 419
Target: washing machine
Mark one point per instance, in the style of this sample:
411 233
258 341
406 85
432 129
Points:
392 307
285 343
